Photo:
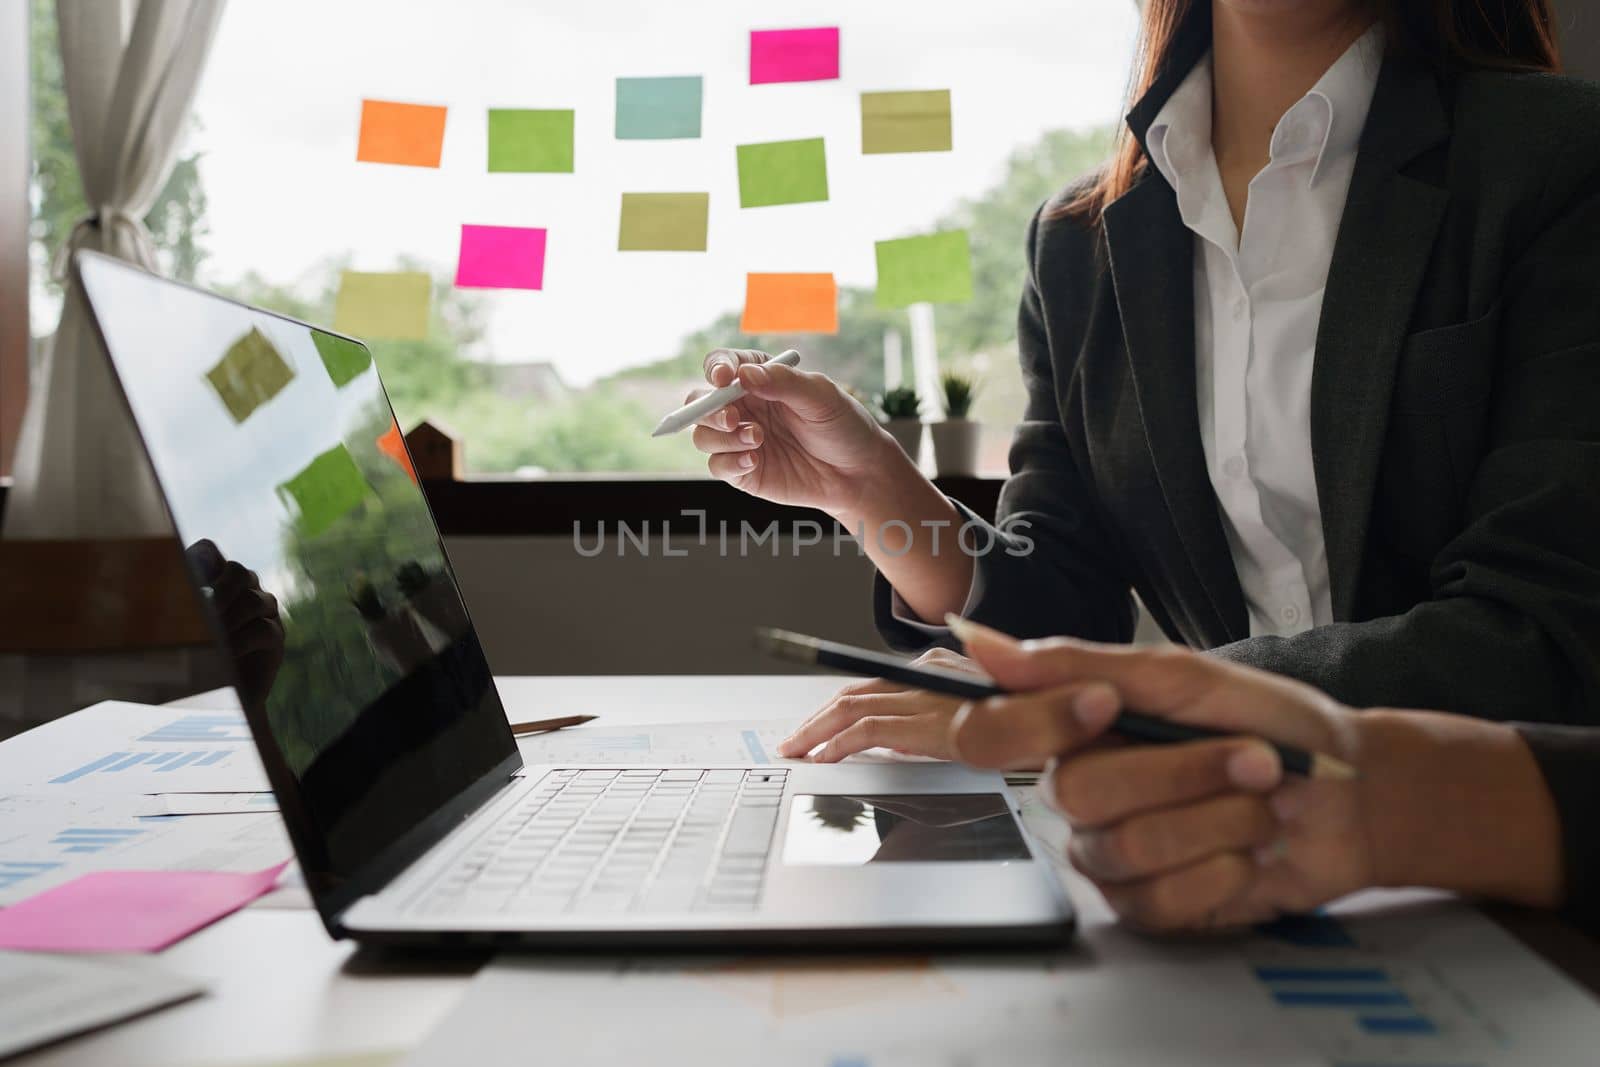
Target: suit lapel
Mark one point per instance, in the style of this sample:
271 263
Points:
1152 269
1385 239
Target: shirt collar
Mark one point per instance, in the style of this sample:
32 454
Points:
1323 125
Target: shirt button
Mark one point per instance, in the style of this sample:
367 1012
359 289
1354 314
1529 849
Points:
1233 466
1290 614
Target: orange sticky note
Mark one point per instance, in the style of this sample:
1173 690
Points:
409 134
790 303
393 445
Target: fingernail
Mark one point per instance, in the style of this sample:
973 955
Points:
747 461
1287 804
964 629
1045 790
748 435
1095 707
1254 767
1277 852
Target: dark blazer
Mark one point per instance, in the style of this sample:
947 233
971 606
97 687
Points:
1569 759
1455 416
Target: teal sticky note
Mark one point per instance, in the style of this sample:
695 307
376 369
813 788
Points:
329 488
782 172
934 269
344 360
658 109
530 142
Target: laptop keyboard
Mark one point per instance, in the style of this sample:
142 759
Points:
596 842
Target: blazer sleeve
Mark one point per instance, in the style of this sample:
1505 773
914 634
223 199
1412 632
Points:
1511 629
1569 759
1048 565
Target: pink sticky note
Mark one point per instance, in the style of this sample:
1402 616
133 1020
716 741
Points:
128 911
794 55
501 257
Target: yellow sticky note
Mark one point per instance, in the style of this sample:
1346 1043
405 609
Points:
249 374
905 122
393 306
664 222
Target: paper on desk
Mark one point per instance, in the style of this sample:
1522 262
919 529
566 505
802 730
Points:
117 747
128 911
207 803
726 741
46 998
48 839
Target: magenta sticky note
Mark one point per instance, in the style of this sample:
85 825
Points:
794 55
501 257
128 911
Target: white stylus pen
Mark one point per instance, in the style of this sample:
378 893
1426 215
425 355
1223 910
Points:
715 400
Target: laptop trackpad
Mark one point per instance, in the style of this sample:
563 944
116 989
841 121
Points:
840 830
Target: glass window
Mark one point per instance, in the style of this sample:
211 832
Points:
269 202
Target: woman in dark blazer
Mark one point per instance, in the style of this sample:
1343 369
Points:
1212 834
1313 368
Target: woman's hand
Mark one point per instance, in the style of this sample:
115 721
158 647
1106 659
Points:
795 437
879 714
1210 833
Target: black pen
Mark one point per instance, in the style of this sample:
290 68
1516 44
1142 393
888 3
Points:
1134 725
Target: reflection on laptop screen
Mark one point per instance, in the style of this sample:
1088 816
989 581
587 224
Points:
284 468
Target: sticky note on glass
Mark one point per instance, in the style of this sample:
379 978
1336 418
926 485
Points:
391 306
782 172
411 135
501 257
530 142
393 445
249 374
664 222
329 488
658 109
794 55
905 122
936 269
345 360
790 303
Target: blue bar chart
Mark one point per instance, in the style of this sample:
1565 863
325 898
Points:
89 839
112 762
202 729
15 872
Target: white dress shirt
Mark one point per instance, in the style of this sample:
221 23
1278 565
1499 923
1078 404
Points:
1257 300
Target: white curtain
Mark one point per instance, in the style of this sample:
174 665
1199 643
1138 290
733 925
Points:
130 69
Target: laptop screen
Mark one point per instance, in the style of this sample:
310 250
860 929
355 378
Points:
308 535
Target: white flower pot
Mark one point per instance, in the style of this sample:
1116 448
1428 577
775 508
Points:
955 447
907 433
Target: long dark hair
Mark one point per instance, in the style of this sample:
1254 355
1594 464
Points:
1447 35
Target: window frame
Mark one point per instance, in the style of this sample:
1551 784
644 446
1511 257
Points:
16 153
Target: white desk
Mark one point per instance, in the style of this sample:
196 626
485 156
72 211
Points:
284 992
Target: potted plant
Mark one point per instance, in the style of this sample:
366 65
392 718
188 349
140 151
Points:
955 438
902 413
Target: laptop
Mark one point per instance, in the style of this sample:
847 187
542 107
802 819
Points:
412 813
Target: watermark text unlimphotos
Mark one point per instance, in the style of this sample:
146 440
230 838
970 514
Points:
893 538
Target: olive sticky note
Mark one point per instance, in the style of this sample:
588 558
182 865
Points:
249 374
905 122
530 142
411 135
935 269
790 303
658 109
329 488
392 306
782 172
664 222
345 360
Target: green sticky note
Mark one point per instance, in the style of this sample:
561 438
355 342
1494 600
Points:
530 142
905 122
782 172
392 306
664 222
936 269
328 489
249 374
344 359
658 109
